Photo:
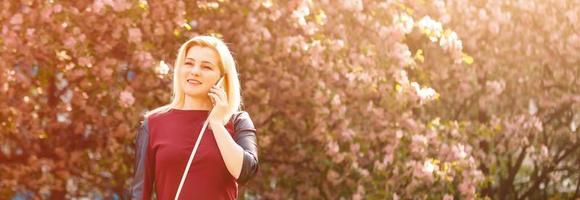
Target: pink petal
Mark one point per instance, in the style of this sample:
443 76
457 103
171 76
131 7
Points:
16 19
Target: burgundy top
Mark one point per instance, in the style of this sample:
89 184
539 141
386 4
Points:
172 137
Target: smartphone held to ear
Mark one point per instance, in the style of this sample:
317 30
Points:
219 81
217 84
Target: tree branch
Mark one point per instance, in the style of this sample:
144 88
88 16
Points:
546 171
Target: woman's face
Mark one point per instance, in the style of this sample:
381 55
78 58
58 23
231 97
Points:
200 71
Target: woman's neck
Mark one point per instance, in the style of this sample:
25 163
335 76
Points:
196 103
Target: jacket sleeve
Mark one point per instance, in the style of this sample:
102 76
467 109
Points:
144 166
246 138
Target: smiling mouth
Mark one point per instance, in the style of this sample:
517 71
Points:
193 82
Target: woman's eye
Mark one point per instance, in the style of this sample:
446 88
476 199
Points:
206 67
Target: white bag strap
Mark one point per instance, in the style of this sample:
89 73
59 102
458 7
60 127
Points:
184 175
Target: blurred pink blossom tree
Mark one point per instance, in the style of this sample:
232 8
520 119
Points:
352 99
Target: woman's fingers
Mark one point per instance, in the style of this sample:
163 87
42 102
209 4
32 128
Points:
220 92
218 99
211 98
214 97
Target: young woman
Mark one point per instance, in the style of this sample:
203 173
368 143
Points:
227 154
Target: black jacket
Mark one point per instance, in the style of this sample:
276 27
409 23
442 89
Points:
246 138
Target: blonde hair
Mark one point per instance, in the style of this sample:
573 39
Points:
227 65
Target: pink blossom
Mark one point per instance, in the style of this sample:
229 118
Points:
425 93
401 77
467 189
30 32
494 27
85 61
448 197
355 148
497 87
347 134
419 139
134 35
532 107
332 176
57 8
459 151
483 14
451 42
424 170
418 144
302 11
70 42
391 34
266 34
544 151
404 22
45 14
379 165
574 40
433 29
538 124
98 6
145 59
395 196
119 5
163 68
360 191
333 148
310 28
402 53
352 5
429 167
572 16
574 122
16 19
126 99
335 100
339 158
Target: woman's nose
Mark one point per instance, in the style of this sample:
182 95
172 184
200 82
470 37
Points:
195 70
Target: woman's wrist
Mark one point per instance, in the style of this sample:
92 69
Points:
214 124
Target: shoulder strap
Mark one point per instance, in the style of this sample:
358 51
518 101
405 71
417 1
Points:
184 175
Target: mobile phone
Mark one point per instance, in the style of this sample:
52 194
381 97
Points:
219 81
216 84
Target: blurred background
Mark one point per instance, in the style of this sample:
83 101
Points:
352 99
